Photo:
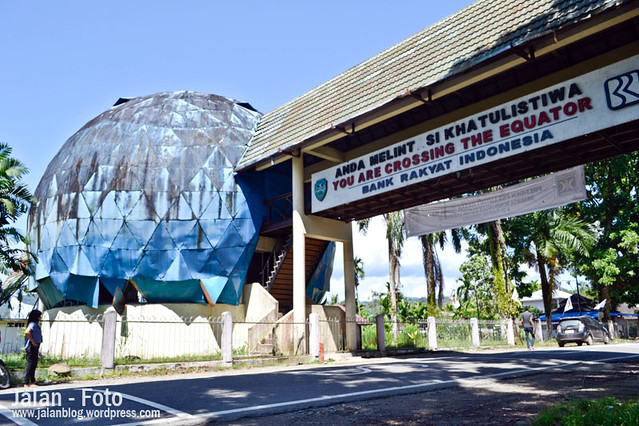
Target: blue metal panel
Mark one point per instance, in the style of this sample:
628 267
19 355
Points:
320 282
147 191
83 289
212 288
155 291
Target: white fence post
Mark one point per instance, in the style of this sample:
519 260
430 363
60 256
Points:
227 337
381 336
539 332
107 354
611 329
432 333
510 330
474 331
314 335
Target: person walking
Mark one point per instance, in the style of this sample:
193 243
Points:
32 341
529 328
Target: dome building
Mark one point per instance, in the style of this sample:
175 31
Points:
142 203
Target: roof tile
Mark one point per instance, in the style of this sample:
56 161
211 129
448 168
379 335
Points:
446 48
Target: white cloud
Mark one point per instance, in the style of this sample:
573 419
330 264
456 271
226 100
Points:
372 248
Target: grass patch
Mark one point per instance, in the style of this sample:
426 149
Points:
19 361
604 411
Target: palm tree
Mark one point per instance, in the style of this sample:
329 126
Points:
358 264
15 200
395 234
552 236
499 260
432 265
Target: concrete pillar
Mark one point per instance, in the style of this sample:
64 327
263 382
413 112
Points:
107 354
381 336
432 333
349 294
611 329
314 335
474 331
227 337
539 331
299 256
510 331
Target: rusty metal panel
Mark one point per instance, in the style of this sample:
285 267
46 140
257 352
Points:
146 192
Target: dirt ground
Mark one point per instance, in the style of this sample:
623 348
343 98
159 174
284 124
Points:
514 401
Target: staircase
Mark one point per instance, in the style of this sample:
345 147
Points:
280 284
279 261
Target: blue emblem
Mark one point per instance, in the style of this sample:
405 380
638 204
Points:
321 187
622 90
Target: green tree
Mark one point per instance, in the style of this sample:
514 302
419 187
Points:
432 265
549 239
501 283
475 293
15 200
395 235
358 265
613 204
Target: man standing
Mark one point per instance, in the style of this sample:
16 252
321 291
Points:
529 328
32 340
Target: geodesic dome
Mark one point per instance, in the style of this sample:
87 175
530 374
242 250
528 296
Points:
145 195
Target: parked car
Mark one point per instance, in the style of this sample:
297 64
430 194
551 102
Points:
581 330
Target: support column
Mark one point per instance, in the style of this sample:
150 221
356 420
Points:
299 256
349 295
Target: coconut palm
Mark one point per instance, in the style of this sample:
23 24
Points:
15 200
432 265
395 235
552 235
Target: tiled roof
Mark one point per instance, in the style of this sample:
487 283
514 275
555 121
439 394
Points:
452 45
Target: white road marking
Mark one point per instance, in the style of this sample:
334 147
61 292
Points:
9 414
360 370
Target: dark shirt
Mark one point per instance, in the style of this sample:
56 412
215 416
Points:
526 317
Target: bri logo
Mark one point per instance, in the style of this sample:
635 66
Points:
622 90
321 186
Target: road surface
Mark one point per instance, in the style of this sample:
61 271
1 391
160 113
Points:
200 398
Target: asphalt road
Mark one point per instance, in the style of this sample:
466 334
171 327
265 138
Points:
200 398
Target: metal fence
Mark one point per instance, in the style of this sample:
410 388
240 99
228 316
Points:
12 336
449 334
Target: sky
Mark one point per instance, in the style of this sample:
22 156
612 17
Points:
65 62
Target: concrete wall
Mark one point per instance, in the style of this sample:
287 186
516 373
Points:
331 325
143 331
262 312
150 330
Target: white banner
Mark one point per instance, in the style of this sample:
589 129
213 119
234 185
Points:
543 193
600 99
